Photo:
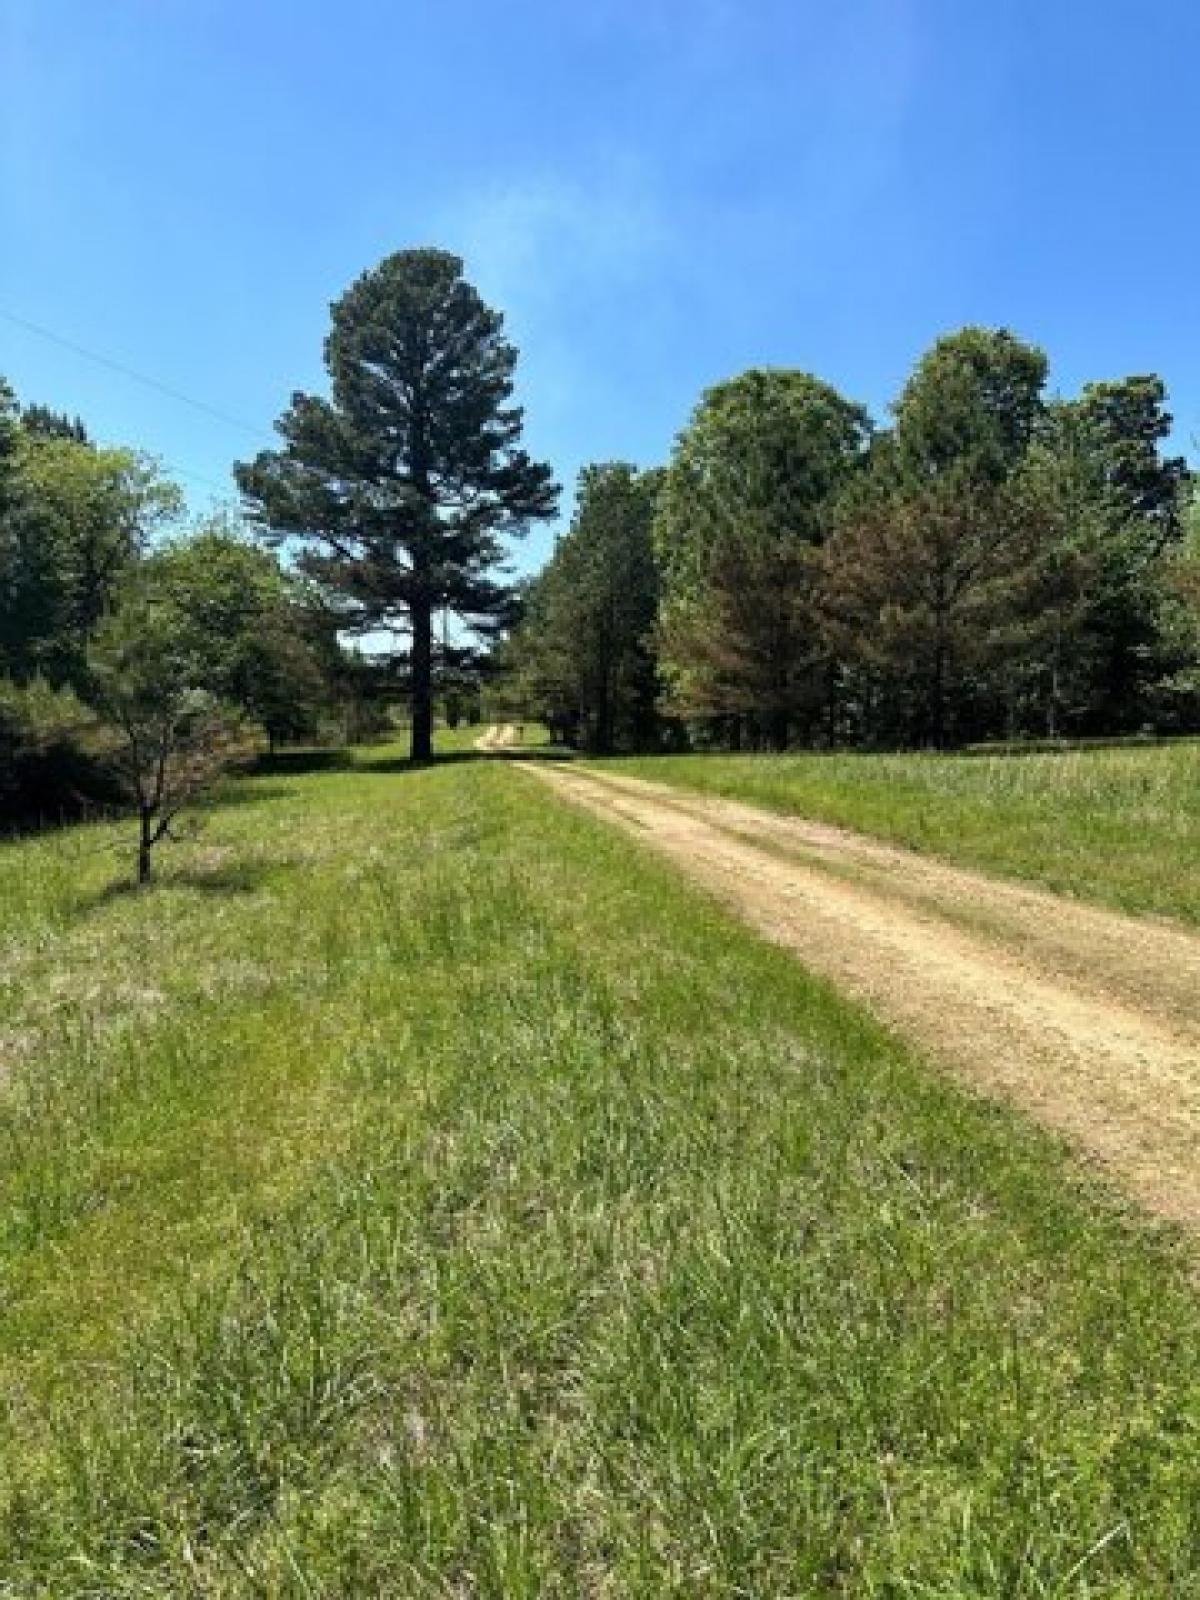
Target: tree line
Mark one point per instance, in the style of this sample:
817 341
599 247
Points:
994 563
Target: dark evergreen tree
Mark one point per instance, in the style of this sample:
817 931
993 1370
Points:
1128 420
746 504
927 578
1125 422
403 485
585 650
48 424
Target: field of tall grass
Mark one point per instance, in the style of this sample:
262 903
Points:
423 1192
1119 825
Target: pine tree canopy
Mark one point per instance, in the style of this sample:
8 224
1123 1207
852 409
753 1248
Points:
404 484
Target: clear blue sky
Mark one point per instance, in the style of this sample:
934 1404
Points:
658 193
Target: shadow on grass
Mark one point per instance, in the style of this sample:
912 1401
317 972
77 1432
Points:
228 878
233 791
286 763
452 758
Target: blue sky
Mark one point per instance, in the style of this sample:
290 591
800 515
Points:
658 193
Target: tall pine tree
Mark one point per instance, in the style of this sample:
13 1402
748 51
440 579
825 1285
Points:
746 504
925 580
403 485
583 656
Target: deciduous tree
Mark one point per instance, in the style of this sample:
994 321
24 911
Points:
74 519
151 677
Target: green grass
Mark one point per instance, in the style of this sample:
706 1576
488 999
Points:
454 741
1121 826
422 1192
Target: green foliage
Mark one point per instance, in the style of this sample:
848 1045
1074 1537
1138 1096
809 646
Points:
991 565
1125 424
53 764
970 409
1001 568
403 485
1179 620
932 563
255 626
746 503
1129 422
1077 526
49 424
73 520
585 654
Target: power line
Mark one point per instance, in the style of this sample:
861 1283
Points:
151 383
226 417
196 477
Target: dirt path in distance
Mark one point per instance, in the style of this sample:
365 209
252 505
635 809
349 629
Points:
497 737
1088 1020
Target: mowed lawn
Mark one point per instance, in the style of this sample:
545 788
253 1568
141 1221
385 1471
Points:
1118 825
423 1192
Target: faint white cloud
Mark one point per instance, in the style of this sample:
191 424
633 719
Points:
533 239
549 252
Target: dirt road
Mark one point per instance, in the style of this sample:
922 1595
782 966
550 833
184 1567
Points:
497 738
1086 1019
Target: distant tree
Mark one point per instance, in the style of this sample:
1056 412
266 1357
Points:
48 424
584 653
9 462
926 583
284 687
403 485
1071 522
76 518
970 409
1125 423
1177 692
747 502
263 652
1129 421
365 696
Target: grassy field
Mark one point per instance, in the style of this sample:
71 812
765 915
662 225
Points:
1120 825
422 1192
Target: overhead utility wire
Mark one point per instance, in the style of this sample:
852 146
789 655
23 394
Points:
138 377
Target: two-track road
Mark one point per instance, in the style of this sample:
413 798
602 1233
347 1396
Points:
1088 1020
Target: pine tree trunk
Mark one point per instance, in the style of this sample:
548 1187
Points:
602 738
1056 656
937 707
421 748
831 706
